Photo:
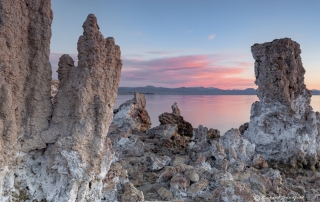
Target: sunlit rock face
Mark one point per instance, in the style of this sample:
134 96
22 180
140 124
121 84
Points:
282 124
25 74
132 115
58 153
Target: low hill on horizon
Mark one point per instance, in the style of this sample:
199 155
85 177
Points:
190 91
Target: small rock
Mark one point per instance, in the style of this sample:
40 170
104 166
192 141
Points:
165 194
222 164
233 140
213 133
167 173
183 167
236 166
198 186
275 176
159 162
243 128
131 194
299 189
259 182
180 141
175 109
200 135
153 176
163 132
179 160
130 147
201 159
193 176
217 150
238 191
179 182
224 178
259 162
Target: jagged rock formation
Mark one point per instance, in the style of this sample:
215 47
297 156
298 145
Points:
184 128
132 115
282 124
25 74
66 157
208 168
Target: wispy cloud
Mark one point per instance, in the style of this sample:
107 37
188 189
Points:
162 52
211 37
191 70
190 31
138 33
213 70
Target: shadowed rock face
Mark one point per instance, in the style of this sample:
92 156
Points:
283 125
184 128
68 159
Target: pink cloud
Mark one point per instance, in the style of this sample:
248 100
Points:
218 71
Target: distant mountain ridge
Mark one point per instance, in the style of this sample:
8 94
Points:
190 91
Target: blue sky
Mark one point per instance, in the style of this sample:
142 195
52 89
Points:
191 43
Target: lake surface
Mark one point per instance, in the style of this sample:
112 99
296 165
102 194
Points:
221 112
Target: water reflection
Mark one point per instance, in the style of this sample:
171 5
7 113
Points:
213 111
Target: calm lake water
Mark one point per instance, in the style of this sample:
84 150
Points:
221 112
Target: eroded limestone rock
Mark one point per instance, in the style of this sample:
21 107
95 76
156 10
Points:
68 159
131 194
159 162
175 109
282 124
25 74
165 194
54 89
132 114
184 127
243 128
213 133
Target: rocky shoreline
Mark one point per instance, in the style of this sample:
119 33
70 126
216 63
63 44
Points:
63 141
159 164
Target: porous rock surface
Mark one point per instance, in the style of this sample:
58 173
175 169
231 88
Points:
184 128
132 115
54 89
282 124
60 153
25 74
223 168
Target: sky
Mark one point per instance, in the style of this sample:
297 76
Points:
189 43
